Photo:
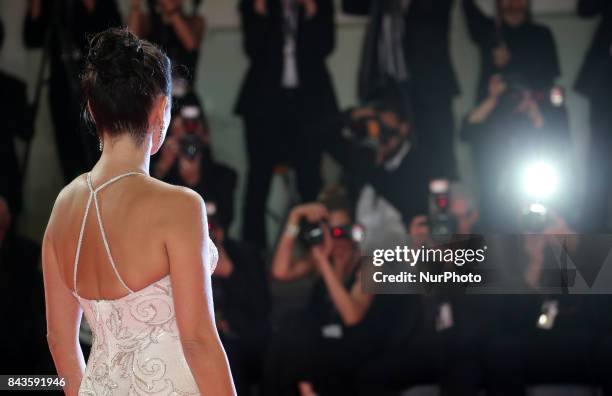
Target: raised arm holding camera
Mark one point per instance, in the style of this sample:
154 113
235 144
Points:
384 164
408 42
510 42
320 347
187 159
179 33
514 125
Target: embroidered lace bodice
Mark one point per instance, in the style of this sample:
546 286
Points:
136 348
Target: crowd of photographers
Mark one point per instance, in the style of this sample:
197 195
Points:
399 187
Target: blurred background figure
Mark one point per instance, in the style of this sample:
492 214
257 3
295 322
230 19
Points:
382 163
186 159
21 288
512 44
442 331
319 347
179 33
407 42
545 335
14 111
595 82
242 304
286 92
511 128
61 29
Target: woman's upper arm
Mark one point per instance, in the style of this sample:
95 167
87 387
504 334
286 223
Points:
63 311
300 267
364 300
187 242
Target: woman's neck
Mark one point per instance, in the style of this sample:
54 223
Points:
121 155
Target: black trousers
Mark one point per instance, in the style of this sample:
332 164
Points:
443 358
298 352
599 177
541 356
284 137
434 127
246 360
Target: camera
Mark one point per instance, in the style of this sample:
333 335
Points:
190 146
540 181
535 218
441 222
311 234
517 85
192 117
369 131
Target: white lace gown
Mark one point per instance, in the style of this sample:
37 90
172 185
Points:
136 348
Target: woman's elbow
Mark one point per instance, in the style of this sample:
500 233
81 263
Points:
353 318
56 341
280 275
53 341
197 347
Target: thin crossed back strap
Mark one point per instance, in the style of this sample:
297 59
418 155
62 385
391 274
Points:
93 196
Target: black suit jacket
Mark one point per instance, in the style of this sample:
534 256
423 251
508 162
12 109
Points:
262 35
597 66
14 112
426 46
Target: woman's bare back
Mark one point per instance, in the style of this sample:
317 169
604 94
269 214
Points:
135 212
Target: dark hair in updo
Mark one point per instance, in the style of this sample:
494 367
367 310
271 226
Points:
123 76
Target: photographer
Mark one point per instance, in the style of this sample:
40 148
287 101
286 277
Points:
441 332
17 123
549 335
62 32
286 90
319 347
21 284
240 292
595 81
186 159
407 42
513 123
176 32
511 43
383 164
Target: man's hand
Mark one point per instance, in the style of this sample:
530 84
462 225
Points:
310 6
169 7
529 106
501 56
535 245
260 7
419 231
312 212
89 5
362 112
497 86
35 9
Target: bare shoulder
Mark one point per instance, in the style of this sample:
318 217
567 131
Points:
178 205
65 200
